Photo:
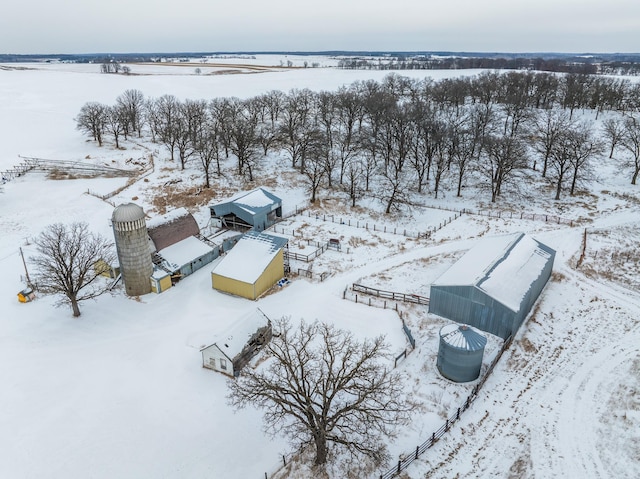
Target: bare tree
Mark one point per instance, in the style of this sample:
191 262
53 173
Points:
504 157
70 263
613 130
132 102
295 117
207 149
321 386
547 130
354 179
167 112
584 146
312 156
394 186
115 122
92 120
631 142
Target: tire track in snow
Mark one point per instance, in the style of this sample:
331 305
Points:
545 398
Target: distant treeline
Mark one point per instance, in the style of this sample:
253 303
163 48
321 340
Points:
611 65
602 63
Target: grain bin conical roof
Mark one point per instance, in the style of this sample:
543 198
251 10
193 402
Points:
463 337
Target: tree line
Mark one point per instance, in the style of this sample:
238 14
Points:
580 65
395 138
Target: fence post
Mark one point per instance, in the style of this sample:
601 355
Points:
284 460
399 465
458 415
417 451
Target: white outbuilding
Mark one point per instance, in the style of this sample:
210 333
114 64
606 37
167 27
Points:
235 347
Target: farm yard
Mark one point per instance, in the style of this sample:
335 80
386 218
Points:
121 391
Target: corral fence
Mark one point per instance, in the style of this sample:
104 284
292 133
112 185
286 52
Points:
521 215
66 166
407 458
379 293
307 273
320 248
396 230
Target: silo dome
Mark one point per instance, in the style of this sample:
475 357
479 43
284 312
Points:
460 352
127 212
132 245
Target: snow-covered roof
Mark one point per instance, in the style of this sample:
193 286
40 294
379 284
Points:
502 266
463 337
168 217
185 251
232 340
172 228
512 277
247 205
250 256
127 212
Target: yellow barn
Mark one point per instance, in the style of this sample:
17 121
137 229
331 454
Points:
253 266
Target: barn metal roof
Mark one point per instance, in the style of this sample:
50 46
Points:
504 267
250 256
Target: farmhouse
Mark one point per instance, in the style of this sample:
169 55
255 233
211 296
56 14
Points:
253 266
234 348
495 284
257 209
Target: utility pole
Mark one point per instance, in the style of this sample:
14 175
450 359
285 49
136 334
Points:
25 269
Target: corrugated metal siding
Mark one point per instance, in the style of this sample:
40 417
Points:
459 365
471 305
200 262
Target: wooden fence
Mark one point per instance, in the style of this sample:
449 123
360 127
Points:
379 293
307 273
321 248
407 458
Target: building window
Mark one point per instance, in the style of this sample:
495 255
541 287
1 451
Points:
223 364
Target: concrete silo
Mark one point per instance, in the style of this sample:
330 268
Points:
460 352
132 244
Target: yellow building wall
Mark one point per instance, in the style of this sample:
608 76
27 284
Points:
273 273
164 283
232 286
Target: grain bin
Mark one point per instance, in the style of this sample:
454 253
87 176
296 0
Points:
460 352
132 245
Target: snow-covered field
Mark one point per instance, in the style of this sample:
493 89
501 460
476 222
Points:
120 391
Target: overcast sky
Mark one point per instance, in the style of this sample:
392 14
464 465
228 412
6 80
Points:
90 26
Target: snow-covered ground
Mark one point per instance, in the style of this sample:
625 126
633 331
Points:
121 393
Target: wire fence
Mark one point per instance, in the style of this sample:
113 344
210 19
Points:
521 215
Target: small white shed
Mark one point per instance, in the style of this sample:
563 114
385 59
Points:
235 347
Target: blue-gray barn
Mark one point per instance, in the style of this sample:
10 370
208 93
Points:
495 284
257 209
